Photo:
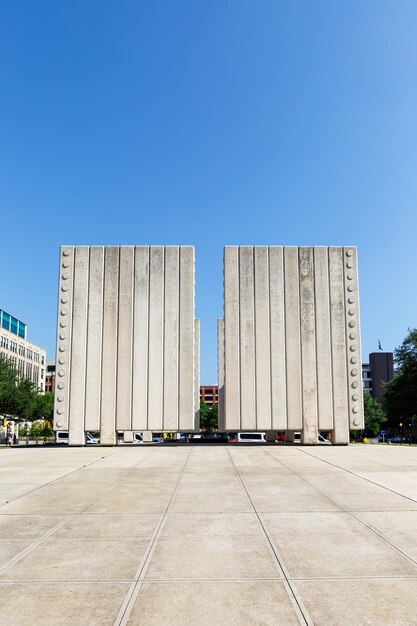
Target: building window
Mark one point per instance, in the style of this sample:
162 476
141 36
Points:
5 322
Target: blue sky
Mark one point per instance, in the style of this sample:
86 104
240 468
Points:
209 123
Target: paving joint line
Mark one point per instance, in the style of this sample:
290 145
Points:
293 595
169 581
350 513
354 474
133 592
18 557
23 495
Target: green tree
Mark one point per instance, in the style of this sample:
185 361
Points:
8 382
374 415
18 397
43 407
400 395
25 397
208 417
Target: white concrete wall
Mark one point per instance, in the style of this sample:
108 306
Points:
128 341
291 341
220 373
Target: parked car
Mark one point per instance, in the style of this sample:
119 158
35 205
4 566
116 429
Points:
91 439
61 436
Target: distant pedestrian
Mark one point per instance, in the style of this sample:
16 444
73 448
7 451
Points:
10 439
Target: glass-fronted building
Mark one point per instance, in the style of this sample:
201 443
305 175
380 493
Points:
28 359
13 325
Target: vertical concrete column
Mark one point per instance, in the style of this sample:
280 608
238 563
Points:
247 339
355 395
140 339
263 339
125 344
76 434
64 327
278 348
197 374
171 338
232 337
94 339
292 339
186 373
337 318
308 343
109 365
156 339
220 372
324 357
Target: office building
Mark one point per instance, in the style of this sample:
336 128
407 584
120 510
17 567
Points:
50 377
209 394
28 358
378 371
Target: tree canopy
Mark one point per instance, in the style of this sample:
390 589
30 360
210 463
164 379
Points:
374 415
400 396
18 397
208 417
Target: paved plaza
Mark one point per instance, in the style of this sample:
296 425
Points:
216 535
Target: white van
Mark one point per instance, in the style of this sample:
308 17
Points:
61 436
137 438
251 438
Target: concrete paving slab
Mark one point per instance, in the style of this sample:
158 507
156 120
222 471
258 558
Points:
10 547
176 528
276 484
211 525
384 501
118 475
293 502
362 602
64 604
398 527
131 504
210 558
27 526
332 545
112 526
37 503
79 559
236 603
201 503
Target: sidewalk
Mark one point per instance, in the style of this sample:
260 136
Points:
208 535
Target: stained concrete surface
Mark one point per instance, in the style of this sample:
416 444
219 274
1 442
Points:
208 536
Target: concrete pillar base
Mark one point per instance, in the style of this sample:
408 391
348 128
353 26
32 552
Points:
147 436
289 436
309 436
128 436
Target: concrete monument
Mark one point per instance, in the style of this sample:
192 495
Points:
127 341
289 344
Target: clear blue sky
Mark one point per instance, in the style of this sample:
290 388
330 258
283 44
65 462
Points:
209 123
